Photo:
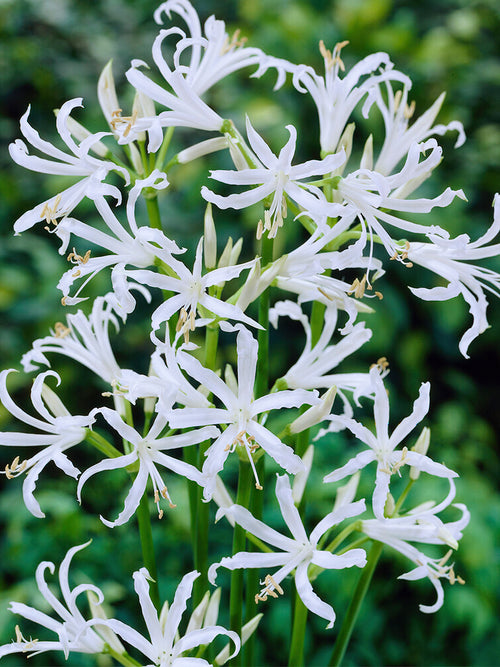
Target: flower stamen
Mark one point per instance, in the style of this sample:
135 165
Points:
15 468
272 588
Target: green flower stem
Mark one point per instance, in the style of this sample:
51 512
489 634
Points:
123 658
102 444
317 319
147 546
153 212
160 158
296 656
245 482
200 511
355 605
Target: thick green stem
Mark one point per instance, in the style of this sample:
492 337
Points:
245 481
148 553
102 444
355 605
296 657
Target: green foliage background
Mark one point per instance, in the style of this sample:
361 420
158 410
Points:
53 51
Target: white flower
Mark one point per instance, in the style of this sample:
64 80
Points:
148 451
74 633
138 248
370 195
164 648
58 431
211 58
382 447
398 136
296 553
276 176
336 98
423 525
80 164
240 413
84 339
451 259
191 291
312 369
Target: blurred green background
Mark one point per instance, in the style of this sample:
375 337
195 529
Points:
54 50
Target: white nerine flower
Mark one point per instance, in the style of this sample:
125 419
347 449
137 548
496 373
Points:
370 195
296 553
240 413
139 247
422 524
80 164
58 431
148 450
84 339
211 58
313 368
191 291
451 259
164 647
276 176
74 633
382 447
336 98
398 136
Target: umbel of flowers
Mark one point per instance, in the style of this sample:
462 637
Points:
356 205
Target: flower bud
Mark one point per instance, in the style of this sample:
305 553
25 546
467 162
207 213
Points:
421 447
209 239
300 481
315 414
106 93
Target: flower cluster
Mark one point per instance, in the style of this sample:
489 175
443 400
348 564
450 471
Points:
197 416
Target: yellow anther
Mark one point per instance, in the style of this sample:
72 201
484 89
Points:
235 42
332 59
29 644
272 588
61 330
260 230
15 468
358 287
409 110
50 212
75 258
117 119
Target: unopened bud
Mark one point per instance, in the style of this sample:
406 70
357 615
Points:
300 481
347 492
106 93
226 254
235 252
390 506
246 632
315 414
346 141
367 157
202 148
209 239
445 535
420 447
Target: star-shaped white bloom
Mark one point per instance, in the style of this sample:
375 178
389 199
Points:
148 451
422 525
93 170
276 176
211 57
240 412
74 633
399 136
296 553
139 247
191 291
335 97
85 339
165 648
58 431
452 259
382 447
370 196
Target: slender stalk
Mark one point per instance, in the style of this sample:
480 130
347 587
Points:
147 546
200 511
245 481
355 605
296 656
123 658
102 444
